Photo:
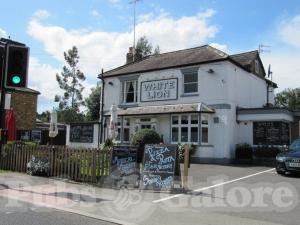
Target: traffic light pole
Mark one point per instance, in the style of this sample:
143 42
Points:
3 92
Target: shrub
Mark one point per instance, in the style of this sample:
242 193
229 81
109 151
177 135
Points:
143 137
266 151
107 144
38 166
243 151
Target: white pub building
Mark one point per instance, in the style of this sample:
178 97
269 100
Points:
200 96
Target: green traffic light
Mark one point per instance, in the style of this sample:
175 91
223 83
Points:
16 79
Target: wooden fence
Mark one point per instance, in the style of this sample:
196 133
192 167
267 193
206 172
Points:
85 165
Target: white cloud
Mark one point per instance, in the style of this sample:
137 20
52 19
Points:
95 13
3 33
41 14
285 67
99 49
42 77
290 31
114 1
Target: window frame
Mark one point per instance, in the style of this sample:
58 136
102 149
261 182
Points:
190 72
204 117
189 125
135 92
121 125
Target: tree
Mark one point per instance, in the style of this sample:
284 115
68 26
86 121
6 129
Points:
44 116
288 99
144 48
69 115
70 81
93 104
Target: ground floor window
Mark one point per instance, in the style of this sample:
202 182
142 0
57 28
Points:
185 128
123 131
204 128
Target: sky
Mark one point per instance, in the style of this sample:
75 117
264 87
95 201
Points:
103 31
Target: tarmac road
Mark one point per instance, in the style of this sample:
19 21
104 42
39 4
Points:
29 214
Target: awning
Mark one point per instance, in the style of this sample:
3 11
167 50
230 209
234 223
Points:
264 114
165 109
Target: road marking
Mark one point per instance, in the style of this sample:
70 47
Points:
213 186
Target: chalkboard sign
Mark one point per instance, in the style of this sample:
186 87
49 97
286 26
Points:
158 167
81 133
271 133
124 160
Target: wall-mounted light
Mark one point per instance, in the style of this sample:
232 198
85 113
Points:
111 83
210 71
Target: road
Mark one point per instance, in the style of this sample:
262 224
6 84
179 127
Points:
219 195
29 214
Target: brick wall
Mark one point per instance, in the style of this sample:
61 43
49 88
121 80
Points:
295 128
25 108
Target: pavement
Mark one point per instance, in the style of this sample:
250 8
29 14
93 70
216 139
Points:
218 195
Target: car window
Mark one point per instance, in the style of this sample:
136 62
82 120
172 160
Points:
295 144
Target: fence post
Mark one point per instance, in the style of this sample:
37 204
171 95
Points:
186 166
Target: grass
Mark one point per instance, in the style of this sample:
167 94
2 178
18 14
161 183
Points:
3 171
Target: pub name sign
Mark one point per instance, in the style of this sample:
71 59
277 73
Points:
159 90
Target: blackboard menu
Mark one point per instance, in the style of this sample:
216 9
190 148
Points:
124 160
271 133
81 133
158 167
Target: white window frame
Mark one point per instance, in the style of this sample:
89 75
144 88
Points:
205 117
195 73
121 128
124 93
189 126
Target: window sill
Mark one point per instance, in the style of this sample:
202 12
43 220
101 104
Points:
189 94
205 145
127 105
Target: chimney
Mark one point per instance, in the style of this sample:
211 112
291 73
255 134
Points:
129 56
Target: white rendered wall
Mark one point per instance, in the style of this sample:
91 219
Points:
229 84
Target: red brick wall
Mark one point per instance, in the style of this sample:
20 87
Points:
25 108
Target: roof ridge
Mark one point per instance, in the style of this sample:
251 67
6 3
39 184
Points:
242 53
180 50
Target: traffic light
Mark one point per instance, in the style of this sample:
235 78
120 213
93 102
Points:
16 66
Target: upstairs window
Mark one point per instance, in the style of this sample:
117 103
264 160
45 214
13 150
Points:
130 91
190 80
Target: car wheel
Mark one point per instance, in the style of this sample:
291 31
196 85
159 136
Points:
280 172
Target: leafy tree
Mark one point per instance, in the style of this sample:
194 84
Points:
70 81
289 99
144 48
93 104
44 116
69 115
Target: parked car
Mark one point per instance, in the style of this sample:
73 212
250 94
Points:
289 161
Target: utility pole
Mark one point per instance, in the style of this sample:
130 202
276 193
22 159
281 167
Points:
134 23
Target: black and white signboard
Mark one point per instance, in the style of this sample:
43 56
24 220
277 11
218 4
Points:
124 160
159 90
81 133
158 167
271 133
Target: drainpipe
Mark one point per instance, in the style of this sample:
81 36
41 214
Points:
100 76
268 85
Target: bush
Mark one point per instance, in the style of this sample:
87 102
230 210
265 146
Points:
38 166
143 137
266 152
243 151
181 150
